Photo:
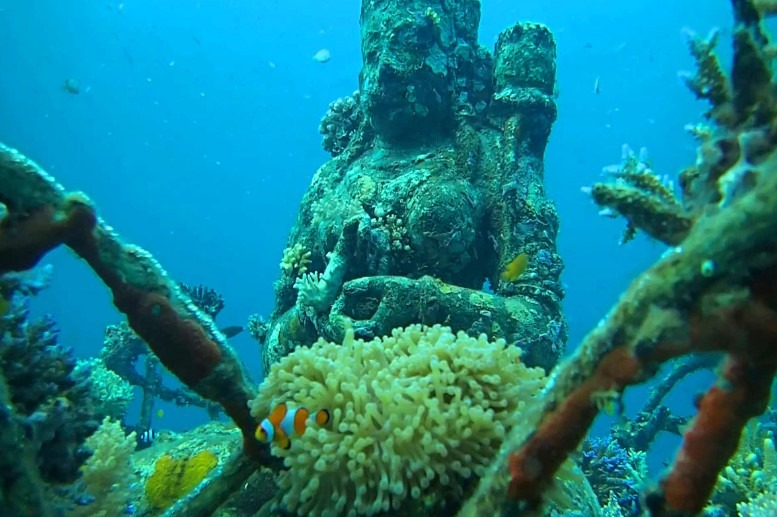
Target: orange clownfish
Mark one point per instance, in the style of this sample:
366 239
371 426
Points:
285 422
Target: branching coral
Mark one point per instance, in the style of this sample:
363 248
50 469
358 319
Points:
752 471
616 474
710 81
207 299
419 412
646 201
46 397
733 146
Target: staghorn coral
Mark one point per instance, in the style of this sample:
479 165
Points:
616 474
710 81
735 140
645 200
417 413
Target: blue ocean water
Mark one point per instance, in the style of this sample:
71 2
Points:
196 132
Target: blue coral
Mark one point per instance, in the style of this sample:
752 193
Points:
48 405
614 471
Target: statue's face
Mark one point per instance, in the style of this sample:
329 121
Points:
404 80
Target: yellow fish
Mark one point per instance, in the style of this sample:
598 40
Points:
160 413
284 422
515 268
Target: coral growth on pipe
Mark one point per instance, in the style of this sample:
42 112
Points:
39 216
713 292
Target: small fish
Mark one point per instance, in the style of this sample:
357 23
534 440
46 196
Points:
160 413
322 56
231 331
285 422
72 86
515 268
146 438
597 85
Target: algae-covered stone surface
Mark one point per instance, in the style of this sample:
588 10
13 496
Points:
434 192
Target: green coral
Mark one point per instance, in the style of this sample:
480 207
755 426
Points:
295 260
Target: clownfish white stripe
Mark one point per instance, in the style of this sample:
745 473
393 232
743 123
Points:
268 428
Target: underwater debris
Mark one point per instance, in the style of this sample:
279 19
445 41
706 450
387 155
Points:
123 352
42 216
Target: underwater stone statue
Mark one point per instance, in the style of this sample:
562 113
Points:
433 208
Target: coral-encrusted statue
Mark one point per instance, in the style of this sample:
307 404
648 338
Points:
436 186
